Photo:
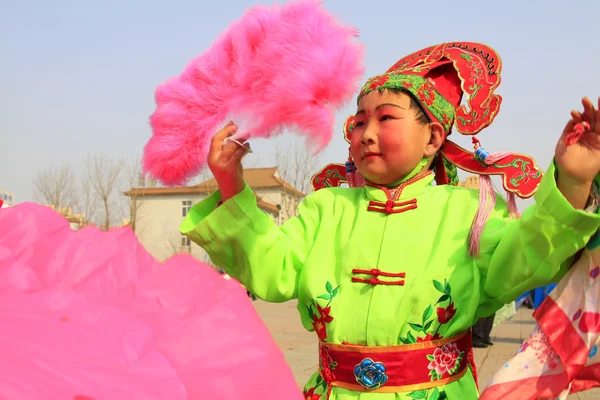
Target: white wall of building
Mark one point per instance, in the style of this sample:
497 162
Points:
158 219
7 198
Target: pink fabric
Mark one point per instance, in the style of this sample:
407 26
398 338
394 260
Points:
561 355
487 202
278 67
92 314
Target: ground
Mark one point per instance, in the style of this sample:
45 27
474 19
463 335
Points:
300 346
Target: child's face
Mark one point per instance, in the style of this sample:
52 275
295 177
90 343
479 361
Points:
387 142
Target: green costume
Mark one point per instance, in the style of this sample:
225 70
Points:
311 258
373 276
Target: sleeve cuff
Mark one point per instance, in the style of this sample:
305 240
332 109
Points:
551 202
199 212
207 219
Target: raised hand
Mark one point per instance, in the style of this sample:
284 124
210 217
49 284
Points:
225 162
579 163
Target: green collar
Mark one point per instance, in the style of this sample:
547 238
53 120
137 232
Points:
411 190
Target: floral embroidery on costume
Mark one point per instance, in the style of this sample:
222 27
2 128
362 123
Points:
320 316
451 172
426 94
323 380
444 315
444 360
420 88
310 394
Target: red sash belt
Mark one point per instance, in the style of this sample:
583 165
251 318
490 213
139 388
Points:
394 369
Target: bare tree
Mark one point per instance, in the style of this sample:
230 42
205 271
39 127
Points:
87 203
252 160
204 179
296 164
103 174
175 242
56 186
136 179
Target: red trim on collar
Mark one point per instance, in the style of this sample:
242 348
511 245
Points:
390 206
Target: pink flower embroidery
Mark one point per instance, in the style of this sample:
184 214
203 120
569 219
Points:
445 359
544 351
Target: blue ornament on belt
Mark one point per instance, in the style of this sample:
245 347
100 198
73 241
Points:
370 375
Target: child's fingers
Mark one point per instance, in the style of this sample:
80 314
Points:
589 111
216 144
231 147
569 127
576 118
239 153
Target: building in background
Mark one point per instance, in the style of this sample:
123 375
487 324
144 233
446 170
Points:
472 182
157 212
77 221
6 198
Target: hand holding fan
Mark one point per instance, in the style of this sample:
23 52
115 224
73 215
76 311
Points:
277 67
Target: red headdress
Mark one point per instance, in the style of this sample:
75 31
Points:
439 78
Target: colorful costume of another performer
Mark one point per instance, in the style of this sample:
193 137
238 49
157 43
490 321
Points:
560 356
386 277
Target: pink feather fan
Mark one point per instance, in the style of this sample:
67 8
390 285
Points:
277 67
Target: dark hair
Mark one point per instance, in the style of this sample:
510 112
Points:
420 114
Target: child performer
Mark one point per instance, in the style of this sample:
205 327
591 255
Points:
391 275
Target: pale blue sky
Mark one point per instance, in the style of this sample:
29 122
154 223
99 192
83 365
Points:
79 76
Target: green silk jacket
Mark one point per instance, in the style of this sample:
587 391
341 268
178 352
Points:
439 290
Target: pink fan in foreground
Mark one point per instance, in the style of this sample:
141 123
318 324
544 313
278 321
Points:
91 315
278 67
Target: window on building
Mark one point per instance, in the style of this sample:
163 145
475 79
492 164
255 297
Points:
185 241
185 207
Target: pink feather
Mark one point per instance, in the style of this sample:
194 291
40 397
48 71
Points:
277 67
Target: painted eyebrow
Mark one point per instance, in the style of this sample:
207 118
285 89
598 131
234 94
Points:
359 112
